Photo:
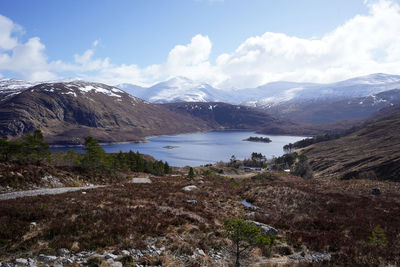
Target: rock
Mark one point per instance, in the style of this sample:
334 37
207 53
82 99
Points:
191 201
311 257
46 258
189 188
250 214
200 182
269 230
113 263
21 261
144 180
32 224
125 253
67 261
200 252
4 264
317 257
375 191
62 252
83 193
111 256
249 206
57 265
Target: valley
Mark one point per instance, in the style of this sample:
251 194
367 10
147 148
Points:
333 201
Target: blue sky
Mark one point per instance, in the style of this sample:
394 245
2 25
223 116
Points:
131 41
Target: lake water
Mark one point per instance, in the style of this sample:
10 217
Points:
196 149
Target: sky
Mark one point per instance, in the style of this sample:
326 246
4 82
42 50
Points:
227 43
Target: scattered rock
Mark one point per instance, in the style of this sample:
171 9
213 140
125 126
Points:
189 188
125 253
269 230
21 261
191 201
46 258
83 193
200 182
62 252
67 261
311 257
111 256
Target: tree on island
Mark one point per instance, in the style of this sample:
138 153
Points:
245 235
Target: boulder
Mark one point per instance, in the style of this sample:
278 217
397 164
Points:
189 188
269 230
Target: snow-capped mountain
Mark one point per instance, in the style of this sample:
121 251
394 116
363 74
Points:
178 89
280 92
9 87
181 89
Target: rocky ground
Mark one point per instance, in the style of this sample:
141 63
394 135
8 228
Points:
175 221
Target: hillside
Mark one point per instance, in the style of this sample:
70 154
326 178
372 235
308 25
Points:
226 116
372 151
68 112
327 111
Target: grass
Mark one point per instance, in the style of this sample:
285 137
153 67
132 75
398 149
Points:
325 215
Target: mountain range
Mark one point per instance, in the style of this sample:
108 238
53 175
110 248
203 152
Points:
351 99
69 110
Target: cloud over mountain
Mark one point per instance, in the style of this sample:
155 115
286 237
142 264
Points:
362 45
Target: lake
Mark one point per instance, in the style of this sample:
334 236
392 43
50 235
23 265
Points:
196 149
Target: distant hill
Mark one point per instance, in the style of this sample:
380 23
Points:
327 111
372 150
67 112
227 116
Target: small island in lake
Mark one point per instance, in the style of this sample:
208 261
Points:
258 139
170 147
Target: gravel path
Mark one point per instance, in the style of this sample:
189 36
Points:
45 191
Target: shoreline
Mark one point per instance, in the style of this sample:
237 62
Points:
146 138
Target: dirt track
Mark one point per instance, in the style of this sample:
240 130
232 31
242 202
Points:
45 191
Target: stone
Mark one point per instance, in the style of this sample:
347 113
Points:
125 253
143 180
200 182
57 265
191 201
113 263
4 264
110 256
250 214
269 230
62 252
67 261
375 191
189 188
21 261
200 252
46 258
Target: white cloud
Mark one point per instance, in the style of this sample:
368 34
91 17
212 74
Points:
364 44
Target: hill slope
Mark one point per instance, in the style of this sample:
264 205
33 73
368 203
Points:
226 116
372 151
68 112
